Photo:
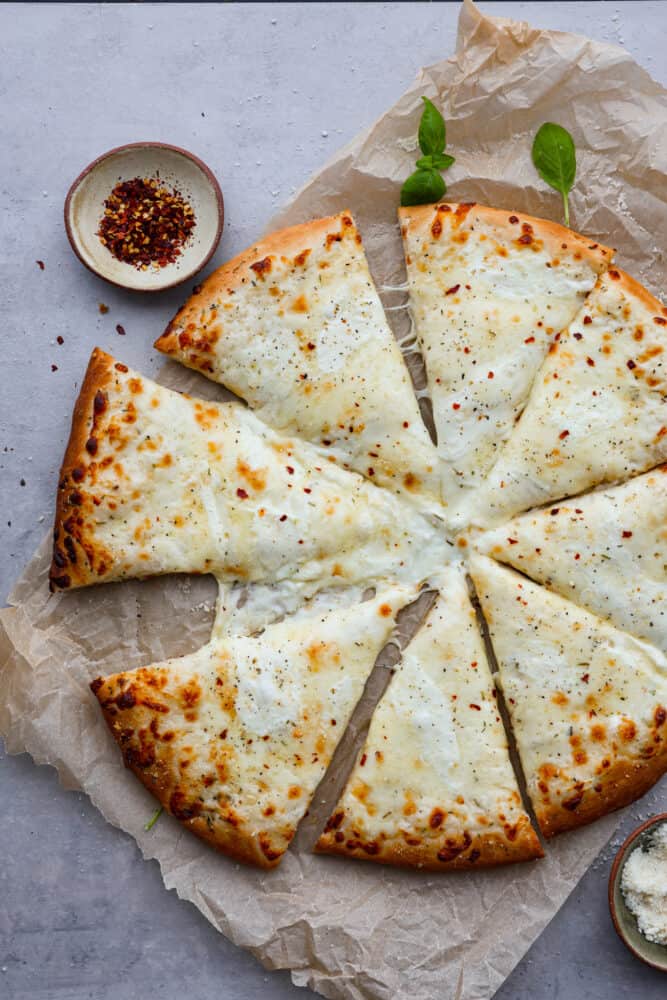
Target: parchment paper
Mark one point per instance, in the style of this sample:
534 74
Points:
349 929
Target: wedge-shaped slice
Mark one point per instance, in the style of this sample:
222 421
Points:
156 482
598 409
489 291
433 786
294 326
588 703
606 551
234 738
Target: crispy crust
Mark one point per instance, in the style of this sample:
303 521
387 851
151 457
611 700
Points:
484 850
236 272
132 724
637 291
420 220
69 565
625 781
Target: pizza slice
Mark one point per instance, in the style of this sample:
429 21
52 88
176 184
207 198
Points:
155 482
598 409
489 292
433 786
588 703
606 551
295 327
234 738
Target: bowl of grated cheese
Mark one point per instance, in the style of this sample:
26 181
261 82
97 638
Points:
638 892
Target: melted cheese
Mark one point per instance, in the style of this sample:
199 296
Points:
238 734
434 773
598 409
606 551
295 327
486 307
583 696
187 486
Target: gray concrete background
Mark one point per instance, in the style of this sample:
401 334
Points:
264 94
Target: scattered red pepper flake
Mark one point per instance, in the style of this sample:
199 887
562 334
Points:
54 368
490 375
104 309
60 340
563 435
513 541
290 469
120 330
307 489
590 362
456 406
145 223
241 494
631 364
476 707
627 534
587 320
406 423
656 319
578 336
554 511
283 517
453 290
577 555
40 264
529 340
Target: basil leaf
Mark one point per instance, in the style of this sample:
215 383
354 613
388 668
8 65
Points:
422 188
432 134
555 160
437 161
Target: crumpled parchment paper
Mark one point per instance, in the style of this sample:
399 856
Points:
344 928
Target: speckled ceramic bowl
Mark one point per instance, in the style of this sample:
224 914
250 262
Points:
84 207
624 920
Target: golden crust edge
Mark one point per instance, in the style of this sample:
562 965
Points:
636 290
625 782
235 846
288 241
493 848
98 374
419 218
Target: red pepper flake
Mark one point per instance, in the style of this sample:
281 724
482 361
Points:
513 541
307 489
529 340
590 362
476 707
577 556
578 510
456 406
627 534
104 309
54 368
585 678
554 511
466 350
60 340
283 517
587 320
290 469
371 470
120 330
578 336
241 494
406 424
40 264
145 223
631 364
563 435
513 219
364 758
490 375
656 319
453 290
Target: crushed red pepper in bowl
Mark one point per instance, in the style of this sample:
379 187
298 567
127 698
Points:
145 223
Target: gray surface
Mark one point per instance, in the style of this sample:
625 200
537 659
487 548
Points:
264 94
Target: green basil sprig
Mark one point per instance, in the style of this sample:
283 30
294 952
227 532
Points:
153 820
426 184
556 161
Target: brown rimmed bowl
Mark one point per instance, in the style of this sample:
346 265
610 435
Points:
178 169
624 920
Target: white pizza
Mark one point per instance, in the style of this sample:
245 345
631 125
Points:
322 508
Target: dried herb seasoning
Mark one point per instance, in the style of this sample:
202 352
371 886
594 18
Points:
145 223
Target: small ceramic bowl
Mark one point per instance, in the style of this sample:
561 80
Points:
624 920
178 169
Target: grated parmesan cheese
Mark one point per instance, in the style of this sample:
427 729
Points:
644 885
